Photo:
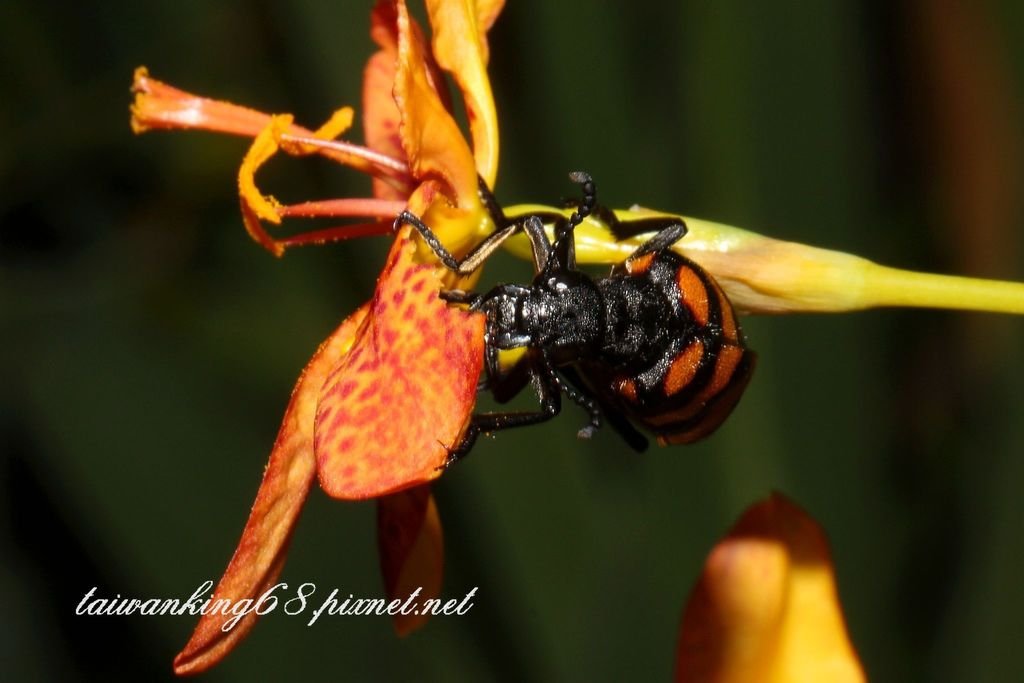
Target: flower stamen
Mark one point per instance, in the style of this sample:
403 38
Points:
336 234
383 208
290 142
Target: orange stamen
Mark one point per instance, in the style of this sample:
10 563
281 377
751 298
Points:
336 234
158 105
343 207
291 141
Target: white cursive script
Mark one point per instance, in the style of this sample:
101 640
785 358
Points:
200 602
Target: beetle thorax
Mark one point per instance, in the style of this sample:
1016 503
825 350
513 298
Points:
562 313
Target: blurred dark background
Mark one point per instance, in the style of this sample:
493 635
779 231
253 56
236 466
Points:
150 346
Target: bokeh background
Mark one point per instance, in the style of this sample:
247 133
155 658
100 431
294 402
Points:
149 347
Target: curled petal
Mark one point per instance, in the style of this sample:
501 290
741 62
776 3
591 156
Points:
391 409
411 550
765 608
487 12
432 140
260 555
460 47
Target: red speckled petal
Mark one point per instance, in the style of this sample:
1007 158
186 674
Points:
411 550
260 555
766 607
404 394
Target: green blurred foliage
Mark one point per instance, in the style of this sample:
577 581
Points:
150 347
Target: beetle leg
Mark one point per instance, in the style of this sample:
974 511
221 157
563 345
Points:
663 239
491 362
616 420
587 403
581 398
539 243
460 296
547 388
473 260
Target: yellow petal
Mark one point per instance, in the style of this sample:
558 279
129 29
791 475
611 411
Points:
460 47
487 12
765 609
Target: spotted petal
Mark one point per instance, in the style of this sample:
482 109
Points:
391 409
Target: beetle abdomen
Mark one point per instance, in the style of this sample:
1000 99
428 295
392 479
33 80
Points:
692 384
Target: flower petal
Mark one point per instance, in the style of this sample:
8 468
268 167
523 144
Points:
404 394
766 608
411 550
260 555
381 117
433 143
460 47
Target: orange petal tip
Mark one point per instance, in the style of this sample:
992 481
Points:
766 606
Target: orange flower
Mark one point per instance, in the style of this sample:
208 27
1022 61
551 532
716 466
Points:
379 403
403 353
766 607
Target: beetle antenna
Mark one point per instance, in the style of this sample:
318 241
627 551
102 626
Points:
589 197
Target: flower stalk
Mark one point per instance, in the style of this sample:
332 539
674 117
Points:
765 275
